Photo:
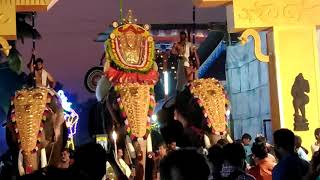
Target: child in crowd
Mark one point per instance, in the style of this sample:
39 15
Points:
315 146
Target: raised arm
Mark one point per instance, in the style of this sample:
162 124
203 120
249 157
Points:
52 81
197 59
31 62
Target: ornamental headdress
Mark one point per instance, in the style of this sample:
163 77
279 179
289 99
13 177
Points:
131 69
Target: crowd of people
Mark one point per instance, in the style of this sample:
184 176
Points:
242 159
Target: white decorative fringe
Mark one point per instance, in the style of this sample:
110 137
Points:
130 147
20 164
149 143
43 158
207 141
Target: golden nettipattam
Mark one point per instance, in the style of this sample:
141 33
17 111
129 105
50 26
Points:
211 96
292 55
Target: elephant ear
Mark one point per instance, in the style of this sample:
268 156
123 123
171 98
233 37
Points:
55 104
15 61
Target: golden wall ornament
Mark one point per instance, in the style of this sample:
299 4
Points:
257 44
9 8
5 47
211 97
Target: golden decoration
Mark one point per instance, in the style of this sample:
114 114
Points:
211 95
131 45
130 18
29 107
135 99
115 24
112 36
257 41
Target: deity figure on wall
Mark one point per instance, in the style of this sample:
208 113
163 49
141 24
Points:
300 99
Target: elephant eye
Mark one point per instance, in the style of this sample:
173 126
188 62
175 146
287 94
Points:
20 97
38 96
212 92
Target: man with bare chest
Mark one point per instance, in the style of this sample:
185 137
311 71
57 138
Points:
41 77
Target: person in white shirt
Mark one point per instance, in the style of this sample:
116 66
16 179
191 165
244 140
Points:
182 50
315 146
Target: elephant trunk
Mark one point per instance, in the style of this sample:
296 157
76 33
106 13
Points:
30 162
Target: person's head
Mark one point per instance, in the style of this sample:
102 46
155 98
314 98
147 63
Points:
259 150
222 142
162 150
91 158
259 139
246 139
315 164
234 154
120 153
183 36
184 164
283 142
187 110
39 63
215 155
297 141
65 155
172 145
317 134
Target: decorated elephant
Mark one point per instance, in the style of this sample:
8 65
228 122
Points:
197 116
130 75
36 131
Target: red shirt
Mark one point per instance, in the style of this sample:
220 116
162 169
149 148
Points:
263 170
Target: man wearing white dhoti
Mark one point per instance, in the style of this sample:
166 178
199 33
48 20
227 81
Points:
40 76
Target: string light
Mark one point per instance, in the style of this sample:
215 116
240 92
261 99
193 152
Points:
166 82
70 116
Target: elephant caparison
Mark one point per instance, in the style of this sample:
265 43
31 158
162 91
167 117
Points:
36 131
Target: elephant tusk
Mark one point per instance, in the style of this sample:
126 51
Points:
20 164
257 44
207 141
130 147
43 158
149 143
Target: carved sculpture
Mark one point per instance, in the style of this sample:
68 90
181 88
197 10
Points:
300 99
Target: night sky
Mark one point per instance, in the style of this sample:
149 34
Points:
70 27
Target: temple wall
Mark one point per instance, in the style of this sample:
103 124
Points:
248 89
318 39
